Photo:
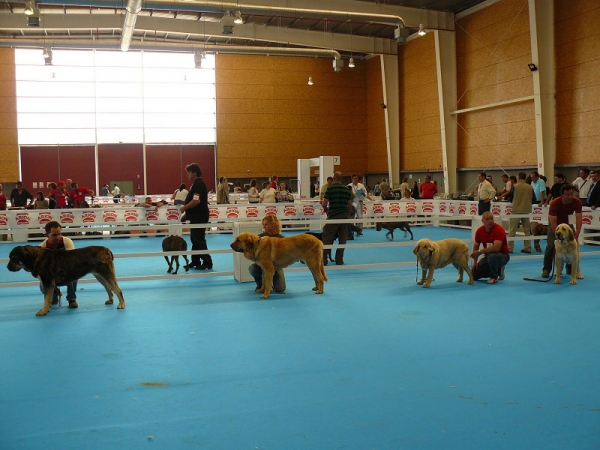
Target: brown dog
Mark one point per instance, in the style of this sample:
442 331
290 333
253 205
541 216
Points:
433 255
538 229
274 253
175 244
58 268
567 252
390 226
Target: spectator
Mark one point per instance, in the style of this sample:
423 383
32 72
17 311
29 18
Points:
506 188
284 195
268 194
2 199
377 189
490 243
271 228
20 197
593 198
337 202
416 194
555 191
148 203
253 194
223 191
404 186
196 210
406 195
51 197
179 195
274 180
539 188
582 184
40 201
521 204
325 187
60 195
105 190
78 194
116 193
485 194
359 195
511 194
427 189
559 211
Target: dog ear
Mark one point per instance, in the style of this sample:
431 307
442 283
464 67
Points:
416 249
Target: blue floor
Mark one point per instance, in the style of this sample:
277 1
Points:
376 362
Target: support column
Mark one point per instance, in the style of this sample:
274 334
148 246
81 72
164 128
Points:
445 55
389 83
541 24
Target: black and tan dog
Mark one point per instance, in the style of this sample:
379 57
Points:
538 229
274 253
175 244
57 268
390 226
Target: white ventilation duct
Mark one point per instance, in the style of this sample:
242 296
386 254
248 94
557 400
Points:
133 9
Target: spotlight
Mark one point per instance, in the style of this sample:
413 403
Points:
383 105
532 67
351 62
47 53
238 17
29 8
422 31
310 81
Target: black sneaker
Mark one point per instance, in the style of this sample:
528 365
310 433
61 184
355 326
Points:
204 266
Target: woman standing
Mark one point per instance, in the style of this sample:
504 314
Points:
253 194
223 191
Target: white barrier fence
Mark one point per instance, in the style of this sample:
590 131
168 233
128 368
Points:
20 223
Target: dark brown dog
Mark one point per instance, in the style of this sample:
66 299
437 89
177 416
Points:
175 244
390 226
57 268
537 229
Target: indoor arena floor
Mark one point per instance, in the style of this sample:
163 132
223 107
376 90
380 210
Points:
376 362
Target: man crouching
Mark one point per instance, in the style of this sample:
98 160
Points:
492 238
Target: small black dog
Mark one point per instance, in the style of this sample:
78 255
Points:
390 226
175 244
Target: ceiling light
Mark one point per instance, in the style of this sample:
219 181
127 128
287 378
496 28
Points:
47 53
238 17
422 31
310 81
351 62
532 67
227 21
29 8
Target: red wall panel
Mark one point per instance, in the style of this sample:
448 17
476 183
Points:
122 162
165 166
54 163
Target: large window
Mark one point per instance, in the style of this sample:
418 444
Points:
98 96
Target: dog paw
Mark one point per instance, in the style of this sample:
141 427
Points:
580 277
121 306
470 282
110 301
557 281
264 296
425 285
42 312
169 271
419 283
318 291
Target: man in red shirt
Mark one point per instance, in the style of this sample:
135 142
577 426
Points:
560 210
491 237
78 195
428 188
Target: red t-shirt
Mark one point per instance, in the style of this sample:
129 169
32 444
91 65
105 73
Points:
428 190
562 211
497 233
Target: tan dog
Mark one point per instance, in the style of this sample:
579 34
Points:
538 229
274 253
433 255
567 252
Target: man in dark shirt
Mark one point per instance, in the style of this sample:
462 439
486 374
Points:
337 202
196 211
19 196
560 210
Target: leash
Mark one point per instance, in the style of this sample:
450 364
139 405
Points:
544 280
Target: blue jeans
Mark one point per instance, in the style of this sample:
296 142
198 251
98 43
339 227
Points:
491 265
